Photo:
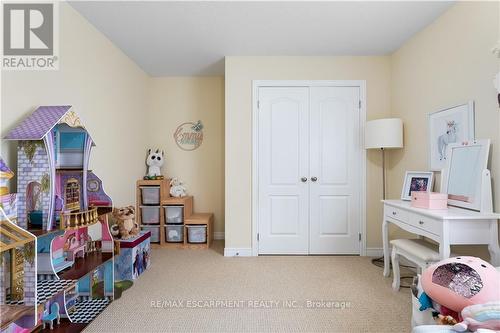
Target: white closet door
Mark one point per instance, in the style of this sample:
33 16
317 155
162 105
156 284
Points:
283 162
334 166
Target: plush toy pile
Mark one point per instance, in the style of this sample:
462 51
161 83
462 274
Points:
463 292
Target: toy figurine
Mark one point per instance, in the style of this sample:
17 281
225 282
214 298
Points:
154 161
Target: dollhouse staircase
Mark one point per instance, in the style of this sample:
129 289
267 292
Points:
189 217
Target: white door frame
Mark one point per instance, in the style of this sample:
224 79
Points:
256 84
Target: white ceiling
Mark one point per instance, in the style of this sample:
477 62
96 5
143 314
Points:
192 38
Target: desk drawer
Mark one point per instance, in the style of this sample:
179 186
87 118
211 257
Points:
426 223
396 213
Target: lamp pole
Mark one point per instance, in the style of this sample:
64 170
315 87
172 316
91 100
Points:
383 173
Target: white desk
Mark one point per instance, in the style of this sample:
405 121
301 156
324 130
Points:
453 226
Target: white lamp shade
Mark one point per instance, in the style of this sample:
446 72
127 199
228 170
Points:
384 133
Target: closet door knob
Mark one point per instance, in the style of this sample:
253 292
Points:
303 179
314 179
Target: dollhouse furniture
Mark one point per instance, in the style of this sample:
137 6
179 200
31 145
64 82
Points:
417 251
469 218
60 260
52 315
76 248
77 251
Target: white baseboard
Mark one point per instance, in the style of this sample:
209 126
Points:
237 252
218 235
374 252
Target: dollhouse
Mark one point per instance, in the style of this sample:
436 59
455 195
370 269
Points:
17 259
62 211
54 181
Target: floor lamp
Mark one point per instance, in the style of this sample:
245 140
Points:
384 134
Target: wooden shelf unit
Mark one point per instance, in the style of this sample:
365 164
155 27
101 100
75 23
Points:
200 219
164 185
189 217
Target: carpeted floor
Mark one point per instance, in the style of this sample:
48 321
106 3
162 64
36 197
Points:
257 294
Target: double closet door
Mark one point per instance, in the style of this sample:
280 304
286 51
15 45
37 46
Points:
308 169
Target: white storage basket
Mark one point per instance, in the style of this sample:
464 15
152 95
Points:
174 233
155 233
196 233
150 214
150 195
174 214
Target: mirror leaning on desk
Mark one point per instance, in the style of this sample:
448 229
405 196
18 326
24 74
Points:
466 178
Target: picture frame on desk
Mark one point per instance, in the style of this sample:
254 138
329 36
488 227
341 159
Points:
417 181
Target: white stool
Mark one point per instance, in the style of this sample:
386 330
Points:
417 251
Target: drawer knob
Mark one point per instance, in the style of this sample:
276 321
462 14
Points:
421 222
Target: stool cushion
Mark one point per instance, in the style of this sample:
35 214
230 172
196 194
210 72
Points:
418 247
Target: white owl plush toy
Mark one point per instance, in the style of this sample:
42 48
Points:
177 188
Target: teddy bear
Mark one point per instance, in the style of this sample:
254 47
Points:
177 188
155 161
125 222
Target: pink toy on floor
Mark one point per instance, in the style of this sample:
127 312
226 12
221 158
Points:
480 316
462 281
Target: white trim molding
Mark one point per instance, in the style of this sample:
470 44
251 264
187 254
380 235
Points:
374 252
237 252
256 84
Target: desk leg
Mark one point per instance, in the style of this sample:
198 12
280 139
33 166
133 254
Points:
444 250
493 245
444 244
385 240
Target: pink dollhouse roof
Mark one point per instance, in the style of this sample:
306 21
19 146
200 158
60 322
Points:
39 123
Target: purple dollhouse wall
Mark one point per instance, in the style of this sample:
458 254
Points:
29 283
4 273
31 171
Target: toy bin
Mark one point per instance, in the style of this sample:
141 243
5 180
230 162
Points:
196 233
174 214
155 233
134 257
150 195
174 233
150 214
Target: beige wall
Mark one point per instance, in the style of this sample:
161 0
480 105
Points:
125 111
175 100
448 63
107 90
240 71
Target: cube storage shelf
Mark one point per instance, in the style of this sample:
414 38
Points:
178 226
174 233
150 195
150 214
196 234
